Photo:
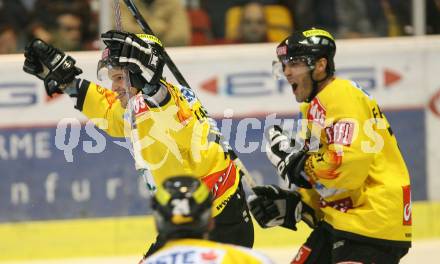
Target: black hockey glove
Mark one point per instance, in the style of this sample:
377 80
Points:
289 163
51 65
143 60
273 206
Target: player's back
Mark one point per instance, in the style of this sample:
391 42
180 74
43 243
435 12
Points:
184 251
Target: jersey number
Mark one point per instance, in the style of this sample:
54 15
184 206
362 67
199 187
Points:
180 206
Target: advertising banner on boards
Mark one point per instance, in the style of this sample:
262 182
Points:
56 165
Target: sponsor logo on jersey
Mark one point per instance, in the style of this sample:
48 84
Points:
110 97
188 94
316 112
100 89
139 106
340 133
341 205
220 182
174 256
302 255
209 256
223 203
325 168
407 219
187 255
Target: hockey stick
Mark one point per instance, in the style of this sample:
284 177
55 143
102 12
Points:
179 77
146 28
118 24
141 168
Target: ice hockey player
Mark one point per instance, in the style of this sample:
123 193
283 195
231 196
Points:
171 132
349 169
183 217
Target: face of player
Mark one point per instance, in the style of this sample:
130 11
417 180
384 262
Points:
118 86
298 75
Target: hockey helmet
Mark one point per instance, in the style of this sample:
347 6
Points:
308 46
182 207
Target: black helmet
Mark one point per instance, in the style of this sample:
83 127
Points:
309 45
182 207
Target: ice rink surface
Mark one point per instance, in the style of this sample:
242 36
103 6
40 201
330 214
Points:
423 251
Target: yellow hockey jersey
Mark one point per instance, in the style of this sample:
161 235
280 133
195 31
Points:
169 139
361 185
183 251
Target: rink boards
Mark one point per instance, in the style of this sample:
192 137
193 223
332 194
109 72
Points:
37 182
90 175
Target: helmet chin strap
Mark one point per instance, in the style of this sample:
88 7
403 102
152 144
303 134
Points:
139 83
315 84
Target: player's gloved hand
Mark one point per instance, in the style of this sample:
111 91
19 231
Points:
48 63
143 60
289 163
273 206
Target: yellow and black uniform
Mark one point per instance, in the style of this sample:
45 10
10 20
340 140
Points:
182 251
174 137
360 181
169 130
351 172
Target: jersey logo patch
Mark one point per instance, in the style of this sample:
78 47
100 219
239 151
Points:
220 182
139 106
188 253
188 94
316 112
110 97
340 133
209 256
99 89
302 255
407 211
342 205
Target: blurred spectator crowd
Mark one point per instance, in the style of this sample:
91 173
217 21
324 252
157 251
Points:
73 25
